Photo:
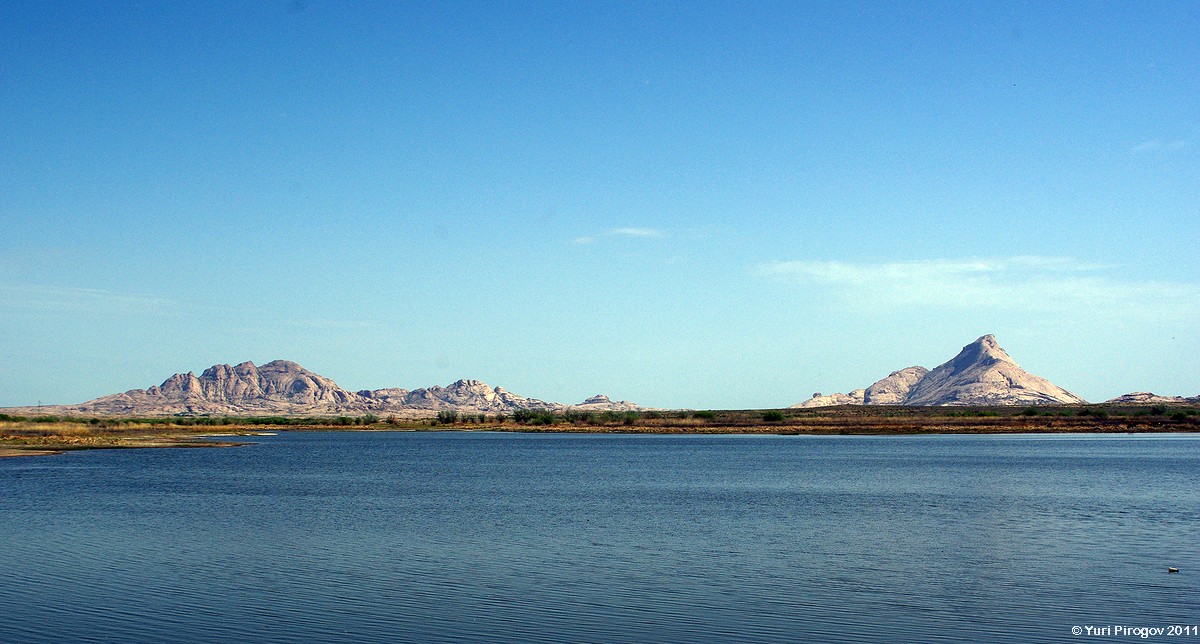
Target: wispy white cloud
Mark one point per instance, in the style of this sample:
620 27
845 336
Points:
1014 283
336 325
636 232
621 232
82 300
1159 145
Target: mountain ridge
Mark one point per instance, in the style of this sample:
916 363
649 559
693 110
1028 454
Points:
982 373
283 387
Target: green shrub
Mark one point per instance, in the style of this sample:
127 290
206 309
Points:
534 417
574 416
704 415
772 416
447 417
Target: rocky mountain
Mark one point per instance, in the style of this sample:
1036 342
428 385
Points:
600 402
981 374
1147 398
463 395
984 374
286 388
894 389
819 399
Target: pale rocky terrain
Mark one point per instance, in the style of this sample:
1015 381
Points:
894 389
981 374
463 395
819 399
288 389
1147 398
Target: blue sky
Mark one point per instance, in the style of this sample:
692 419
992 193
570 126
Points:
713 205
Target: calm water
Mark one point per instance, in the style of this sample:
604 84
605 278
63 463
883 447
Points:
505 537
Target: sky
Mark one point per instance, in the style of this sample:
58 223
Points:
692 204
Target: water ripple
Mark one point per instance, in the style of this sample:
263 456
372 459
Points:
508 538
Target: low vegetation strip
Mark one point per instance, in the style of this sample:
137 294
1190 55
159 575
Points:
43 434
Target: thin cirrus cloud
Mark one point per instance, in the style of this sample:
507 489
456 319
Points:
61 299
1011 283
1159 145
44 299
621 232
334 324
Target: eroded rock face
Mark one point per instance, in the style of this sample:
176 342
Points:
856 397
984 374
600 402
472 395
894 389
1147 398
981 374
276 387
282 387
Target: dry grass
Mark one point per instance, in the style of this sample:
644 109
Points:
25 436
22 437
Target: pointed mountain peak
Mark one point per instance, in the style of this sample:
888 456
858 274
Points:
984 374
981 374
983 351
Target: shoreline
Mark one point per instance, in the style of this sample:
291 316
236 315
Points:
57 449
44 436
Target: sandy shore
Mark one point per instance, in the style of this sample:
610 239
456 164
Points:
8 451
52 449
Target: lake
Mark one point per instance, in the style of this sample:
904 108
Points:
500 537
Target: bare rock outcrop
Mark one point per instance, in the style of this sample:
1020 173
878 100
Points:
461 395
856 397
984 374
894 389
1147 398
276 387
600 402
981 374
285 388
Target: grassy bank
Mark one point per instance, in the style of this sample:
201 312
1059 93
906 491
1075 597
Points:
48 434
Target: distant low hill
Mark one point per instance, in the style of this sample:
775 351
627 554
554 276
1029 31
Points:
285 388
1147 398
981 374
